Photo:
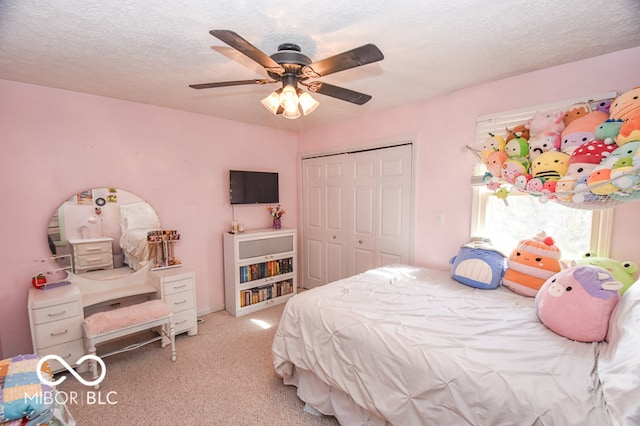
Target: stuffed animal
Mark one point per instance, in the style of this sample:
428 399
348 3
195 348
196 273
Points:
621 271
544 142
577 302
599 180
581 130
625 105
534 185
512 168
608 130
494 161
564 187
545 123
519 131
491 144
630 130
530 264
587 157
478 264
550 165
517 147
576 111
605 106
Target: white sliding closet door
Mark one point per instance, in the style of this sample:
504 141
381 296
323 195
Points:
357 213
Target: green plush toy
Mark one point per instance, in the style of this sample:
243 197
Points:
621 271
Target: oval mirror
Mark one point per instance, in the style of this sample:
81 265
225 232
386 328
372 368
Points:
102 232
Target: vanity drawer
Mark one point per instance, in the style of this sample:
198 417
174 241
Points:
172 286
58 332
70 352
56 312
94 260
180 301
92 248
183 321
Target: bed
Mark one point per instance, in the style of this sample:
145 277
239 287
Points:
136 221
405 345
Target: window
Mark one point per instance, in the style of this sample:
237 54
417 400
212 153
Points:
574 231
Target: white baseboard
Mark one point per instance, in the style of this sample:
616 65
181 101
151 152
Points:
210 310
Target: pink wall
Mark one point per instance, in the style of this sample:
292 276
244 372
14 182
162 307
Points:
440 127
56 143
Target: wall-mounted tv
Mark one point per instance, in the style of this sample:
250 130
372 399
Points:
247 187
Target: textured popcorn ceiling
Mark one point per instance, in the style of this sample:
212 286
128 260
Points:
150 51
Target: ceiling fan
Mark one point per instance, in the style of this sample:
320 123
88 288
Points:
291 67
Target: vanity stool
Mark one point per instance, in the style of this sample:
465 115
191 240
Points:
108 325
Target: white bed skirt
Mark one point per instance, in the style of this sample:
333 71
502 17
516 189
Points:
330 401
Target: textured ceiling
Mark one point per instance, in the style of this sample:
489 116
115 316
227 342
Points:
150 51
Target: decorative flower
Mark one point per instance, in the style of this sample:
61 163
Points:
276 212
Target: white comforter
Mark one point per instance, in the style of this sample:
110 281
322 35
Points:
412 346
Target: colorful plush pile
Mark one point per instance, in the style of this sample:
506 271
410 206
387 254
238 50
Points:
588 155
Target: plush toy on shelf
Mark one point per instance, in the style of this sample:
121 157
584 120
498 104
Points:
622 271
577 303
533 262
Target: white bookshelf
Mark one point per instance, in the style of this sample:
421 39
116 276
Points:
260 269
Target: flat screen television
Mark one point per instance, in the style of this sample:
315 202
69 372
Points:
247 187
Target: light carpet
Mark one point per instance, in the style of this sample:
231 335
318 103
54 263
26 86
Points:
223 376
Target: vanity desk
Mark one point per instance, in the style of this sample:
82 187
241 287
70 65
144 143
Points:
56 315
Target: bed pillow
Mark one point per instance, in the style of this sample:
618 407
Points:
577 302
619 360
138 216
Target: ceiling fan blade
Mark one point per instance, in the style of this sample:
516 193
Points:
359 56
230 83
248 49
338 92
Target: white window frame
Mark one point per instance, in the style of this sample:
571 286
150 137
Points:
601 222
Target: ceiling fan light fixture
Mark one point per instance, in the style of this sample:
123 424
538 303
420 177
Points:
272 102
307 103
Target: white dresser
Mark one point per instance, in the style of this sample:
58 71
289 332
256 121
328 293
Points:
56 318
91 254
177 288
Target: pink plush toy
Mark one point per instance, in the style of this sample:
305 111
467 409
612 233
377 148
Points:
545 123
577 302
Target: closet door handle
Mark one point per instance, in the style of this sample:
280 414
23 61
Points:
359 241
334 237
